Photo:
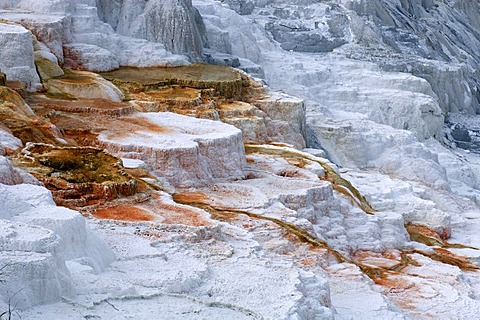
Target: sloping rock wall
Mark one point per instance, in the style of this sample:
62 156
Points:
172 22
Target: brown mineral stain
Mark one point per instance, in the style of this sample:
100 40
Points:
307 262
193 72
423 234
445 256
96 106
141 123
191 197
124 213
77 77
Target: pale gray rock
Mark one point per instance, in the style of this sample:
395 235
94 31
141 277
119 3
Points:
227 32
76 24
172 23
10 175
51 30
36 240
8 142
16 55
435 41
34 275
46 6
89 57
7 173
444 31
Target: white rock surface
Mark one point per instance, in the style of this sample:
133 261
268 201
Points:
8 142
16 56
36 239
184 150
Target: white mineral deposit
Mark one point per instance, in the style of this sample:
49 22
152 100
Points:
239 159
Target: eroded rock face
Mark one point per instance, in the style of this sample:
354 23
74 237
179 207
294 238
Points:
408 27
18 118
172 23
90 43
3 79
227 82
216 92
286 118
50 28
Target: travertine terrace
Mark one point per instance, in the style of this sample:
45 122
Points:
239 159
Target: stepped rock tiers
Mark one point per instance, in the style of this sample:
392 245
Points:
199 150
143 176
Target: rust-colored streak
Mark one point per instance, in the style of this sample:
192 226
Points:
175 214
447 257
190 198
124 213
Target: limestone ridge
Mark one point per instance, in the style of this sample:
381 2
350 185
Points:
171 22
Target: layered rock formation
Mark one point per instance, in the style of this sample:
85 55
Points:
198 150
377 219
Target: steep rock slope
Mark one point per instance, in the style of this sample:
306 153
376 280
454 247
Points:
172 23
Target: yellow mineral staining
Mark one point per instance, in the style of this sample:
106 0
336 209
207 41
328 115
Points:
445 256
46 68
93 181
169 99
339 184
44 104
429 237
202 201
16 101
83 85
18 118
390 264
226 82
197 90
